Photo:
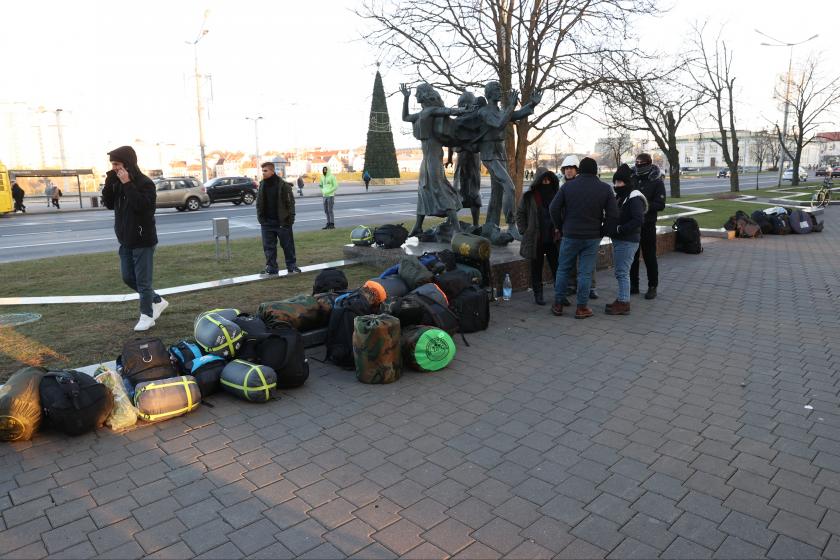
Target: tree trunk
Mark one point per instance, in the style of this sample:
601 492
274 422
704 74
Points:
674 164
797 158
516 164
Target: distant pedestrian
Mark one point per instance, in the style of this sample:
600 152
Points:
329 185
583 209
632 206
539 236
300 183
17 196
366 179
647 178
55 196
131 195
276 215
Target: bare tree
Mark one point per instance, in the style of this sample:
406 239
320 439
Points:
763 148
658 106
535 152
616 144
811 97
714 77
558 47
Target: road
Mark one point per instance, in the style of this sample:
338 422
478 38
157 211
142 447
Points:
47 234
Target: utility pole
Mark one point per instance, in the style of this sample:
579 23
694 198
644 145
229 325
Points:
778 43
60 138
199 107
256 120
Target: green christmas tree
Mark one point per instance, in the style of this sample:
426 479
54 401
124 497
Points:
380 154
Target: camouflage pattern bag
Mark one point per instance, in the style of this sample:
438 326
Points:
426 348
302 312
376 348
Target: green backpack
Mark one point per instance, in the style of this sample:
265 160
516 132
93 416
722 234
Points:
361 236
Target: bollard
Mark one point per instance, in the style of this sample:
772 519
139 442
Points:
221 228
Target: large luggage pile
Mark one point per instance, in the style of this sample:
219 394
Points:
774 221
405 318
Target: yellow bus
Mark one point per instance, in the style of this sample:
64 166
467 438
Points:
5 191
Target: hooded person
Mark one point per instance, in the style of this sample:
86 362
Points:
647 179
539 236
17 196
632 206
131 195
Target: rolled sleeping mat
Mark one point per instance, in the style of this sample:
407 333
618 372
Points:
250 382
393 286
472 246
166 398
376 348
20 404
426 348
217 335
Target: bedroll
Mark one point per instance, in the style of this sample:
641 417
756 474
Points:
302 312
20 405
376 348
217 335
426 348
167 398
251 382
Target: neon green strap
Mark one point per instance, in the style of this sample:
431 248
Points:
184 382
228 341
246 390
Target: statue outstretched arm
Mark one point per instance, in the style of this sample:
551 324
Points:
406 116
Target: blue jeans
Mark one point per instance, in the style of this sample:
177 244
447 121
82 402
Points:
570 250
623 252
136 266
270 235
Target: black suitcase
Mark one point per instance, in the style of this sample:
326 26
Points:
472 307
73 402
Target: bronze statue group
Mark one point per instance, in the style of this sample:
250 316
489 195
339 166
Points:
563 225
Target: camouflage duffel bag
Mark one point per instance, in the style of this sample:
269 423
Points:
302 312
426 348
376 348
251 382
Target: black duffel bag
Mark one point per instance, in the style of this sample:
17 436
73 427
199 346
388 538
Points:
329 280
73 402
390 236
472 307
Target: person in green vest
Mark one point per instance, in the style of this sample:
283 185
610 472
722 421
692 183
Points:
329 186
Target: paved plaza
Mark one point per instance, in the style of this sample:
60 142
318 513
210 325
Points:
705 424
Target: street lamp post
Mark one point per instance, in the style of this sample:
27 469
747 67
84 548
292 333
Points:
256 120
778 43
199 107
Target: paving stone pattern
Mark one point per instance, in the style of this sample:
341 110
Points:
703 425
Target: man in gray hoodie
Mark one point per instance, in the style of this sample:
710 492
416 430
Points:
584 210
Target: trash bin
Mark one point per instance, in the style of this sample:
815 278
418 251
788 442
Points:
94 202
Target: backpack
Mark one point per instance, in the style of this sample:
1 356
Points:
688 236
145 359
454 282
340 329
281 348
472 307
183 353
206 370
20 405
390 236
413 272
167 398
799 222
424 306
329 280
73 402
763 221
781 224
361 236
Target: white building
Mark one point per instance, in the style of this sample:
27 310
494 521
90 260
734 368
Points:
699 150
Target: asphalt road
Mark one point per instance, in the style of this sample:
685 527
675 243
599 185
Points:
46 234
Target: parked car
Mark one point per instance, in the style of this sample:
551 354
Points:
823 171
232 189
723 173
687 168
788 175
181 193
835 171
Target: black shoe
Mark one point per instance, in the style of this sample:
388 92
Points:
270 272
326 226
651 293
332 226
538 297
634 290
593 294
294 270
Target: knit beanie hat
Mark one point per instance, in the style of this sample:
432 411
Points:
588 165
623 173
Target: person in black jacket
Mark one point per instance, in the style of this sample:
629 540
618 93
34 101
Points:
276 215
17 196
584 209
132 195
647 178
539 237
632 206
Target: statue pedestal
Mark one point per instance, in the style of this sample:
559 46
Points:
503 260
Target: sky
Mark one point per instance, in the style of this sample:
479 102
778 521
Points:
122 72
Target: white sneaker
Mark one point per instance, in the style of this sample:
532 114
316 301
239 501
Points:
158 308
145 323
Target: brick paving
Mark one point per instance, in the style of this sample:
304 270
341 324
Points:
704 425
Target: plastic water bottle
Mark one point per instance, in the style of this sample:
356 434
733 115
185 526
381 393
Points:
507 288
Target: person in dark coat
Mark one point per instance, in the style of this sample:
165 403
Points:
17 196
632 206
584 210
366 179
647 178
132 196
539 236
276 215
